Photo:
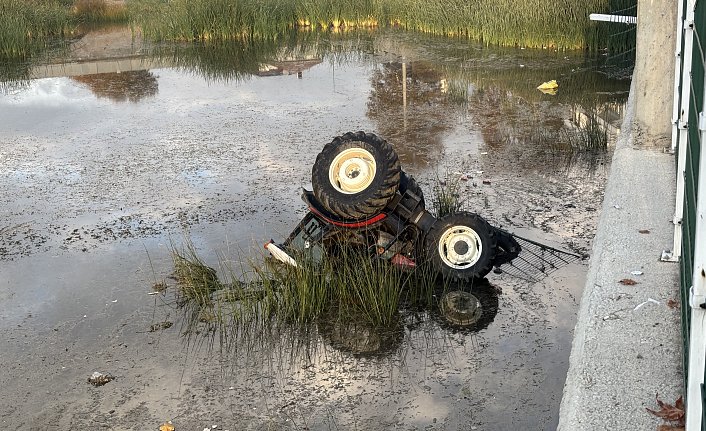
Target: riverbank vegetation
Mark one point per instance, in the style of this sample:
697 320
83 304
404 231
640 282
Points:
26 24
99 11
30 26
534 23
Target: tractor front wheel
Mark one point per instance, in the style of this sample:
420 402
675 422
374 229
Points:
461 246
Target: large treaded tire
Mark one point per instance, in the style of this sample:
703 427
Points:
378 190
461 246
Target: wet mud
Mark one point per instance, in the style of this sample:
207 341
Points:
96 186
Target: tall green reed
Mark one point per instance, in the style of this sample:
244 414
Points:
533 23
98 12
27 25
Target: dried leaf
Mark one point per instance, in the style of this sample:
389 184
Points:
628 281
668 412
167 426
670 428
672 303
645 231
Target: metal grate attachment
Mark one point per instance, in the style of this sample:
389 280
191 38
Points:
537 260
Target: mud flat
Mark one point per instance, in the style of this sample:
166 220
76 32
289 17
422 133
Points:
96 184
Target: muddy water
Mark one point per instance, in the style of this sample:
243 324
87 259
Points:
100 173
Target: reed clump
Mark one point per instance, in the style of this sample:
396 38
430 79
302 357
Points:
27 25
447 196
342 285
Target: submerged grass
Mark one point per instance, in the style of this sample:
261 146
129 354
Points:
345 286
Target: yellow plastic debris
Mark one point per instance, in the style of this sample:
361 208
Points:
549 85
167 426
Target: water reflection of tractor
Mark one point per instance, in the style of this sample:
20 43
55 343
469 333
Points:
287 67
361 197
464 311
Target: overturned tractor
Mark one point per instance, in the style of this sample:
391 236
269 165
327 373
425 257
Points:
361 195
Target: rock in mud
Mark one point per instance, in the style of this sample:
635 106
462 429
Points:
100 379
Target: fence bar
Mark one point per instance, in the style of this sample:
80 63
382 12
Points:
697 299
683 120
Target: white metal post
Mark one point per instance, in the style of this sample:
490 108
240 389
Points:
683 120
677 75
697 293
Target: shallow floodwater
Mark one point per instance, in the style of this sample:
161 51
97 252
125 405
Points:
101 173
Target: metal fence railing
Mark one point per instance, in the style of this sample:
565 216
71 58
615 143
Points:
689 141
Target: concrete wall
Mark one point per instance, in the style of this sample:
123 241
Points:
654 69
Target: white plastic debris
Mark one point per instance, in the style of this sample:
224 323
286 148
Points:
617 207
637 273
654 301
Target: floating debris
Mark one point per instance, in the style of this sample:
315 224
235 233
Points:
549 87
159 287
167 426
160 326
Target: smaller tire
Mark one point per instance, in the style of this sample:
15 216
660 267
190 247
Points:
461 246
356 175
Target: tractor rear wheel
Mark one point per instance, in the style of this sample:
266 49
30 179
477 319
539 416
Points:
356 175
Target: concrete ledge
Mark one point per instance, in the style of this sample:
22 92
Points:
627 348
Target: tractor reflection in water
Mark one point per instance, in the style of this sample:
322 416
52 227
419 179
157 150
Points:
362 198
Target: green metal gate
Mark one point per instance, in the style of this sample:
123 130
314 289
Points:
689 134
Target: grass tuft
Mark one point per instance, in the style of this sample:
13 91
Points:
347 285
446 197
